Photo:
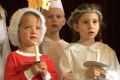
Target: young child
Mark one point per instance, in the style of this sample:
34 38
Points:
87 20
53 45
4 43
27 28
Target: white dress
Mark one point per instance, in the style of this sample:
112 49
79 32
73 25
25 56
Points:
78 54
1 68
4 42
55 49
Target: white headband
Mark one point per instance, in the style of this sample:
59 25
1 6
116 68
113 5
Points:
90 10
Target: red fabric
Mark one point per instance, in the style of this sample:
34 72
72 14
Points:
16 64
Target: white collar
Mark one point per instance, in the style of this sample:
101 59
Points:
25 53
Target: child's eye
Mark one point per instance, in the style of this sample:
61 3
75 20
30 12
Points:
50 16
38 28
27 27
59 16
85 22
95 21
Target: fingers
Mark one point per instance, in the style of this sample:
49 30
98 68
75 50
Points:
39 68
95 72
100 72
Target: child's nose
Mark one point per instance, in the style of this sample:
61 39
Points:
91 25
54 18
33 30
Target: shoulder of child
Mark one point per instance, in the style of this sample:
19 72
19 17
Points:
105 46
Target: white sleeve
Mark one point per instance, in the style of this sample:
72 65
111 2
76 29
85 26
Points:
47 76
113 75
29 75
66 64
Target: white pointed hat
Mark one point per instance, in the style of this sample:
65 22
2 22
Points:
56 4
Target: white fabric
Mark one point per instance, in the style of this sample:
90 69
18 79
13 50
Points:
78 54
26 54
6 49
112 75
55 49
47 76
56 4
1 68
3 32
4 42
30 75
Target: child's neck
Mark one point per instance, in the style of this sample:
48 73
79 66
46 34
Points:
86 42
54 36
28 49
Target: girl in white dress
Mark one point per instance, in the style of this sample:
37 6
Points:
86 20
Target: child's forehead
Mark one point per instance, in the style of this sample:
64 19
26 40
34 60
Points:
29 15
88 15
30 18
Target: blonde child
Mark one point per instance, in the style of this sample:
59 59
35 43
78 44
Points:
53 45
87 20
27 28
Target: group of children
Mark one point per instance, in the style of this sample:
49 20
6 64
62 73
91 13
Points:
58 60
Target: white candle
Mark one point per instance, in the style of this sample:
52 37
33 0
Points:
98 55
37 52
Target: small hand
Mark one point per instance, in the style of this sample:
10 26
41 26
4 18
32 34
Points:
95 72
39 67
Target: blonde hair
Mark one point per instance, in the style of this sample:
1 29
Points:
15 22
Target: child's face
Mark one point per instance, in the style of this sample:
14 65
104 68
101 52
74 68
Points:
88 26
29 30
54 20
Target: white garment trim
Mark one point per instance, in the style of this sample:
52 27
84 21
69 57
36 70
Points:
47 76
29 75
26 54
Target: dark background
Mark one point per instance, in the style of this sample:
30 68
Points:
111 14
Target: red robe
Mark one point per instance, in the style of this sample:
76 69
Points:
16 64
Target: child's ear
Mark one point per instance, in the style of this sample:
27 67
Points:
64 21
75 27
1 17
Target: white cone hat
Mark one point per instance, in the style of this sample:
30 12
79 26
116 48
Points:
56 4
